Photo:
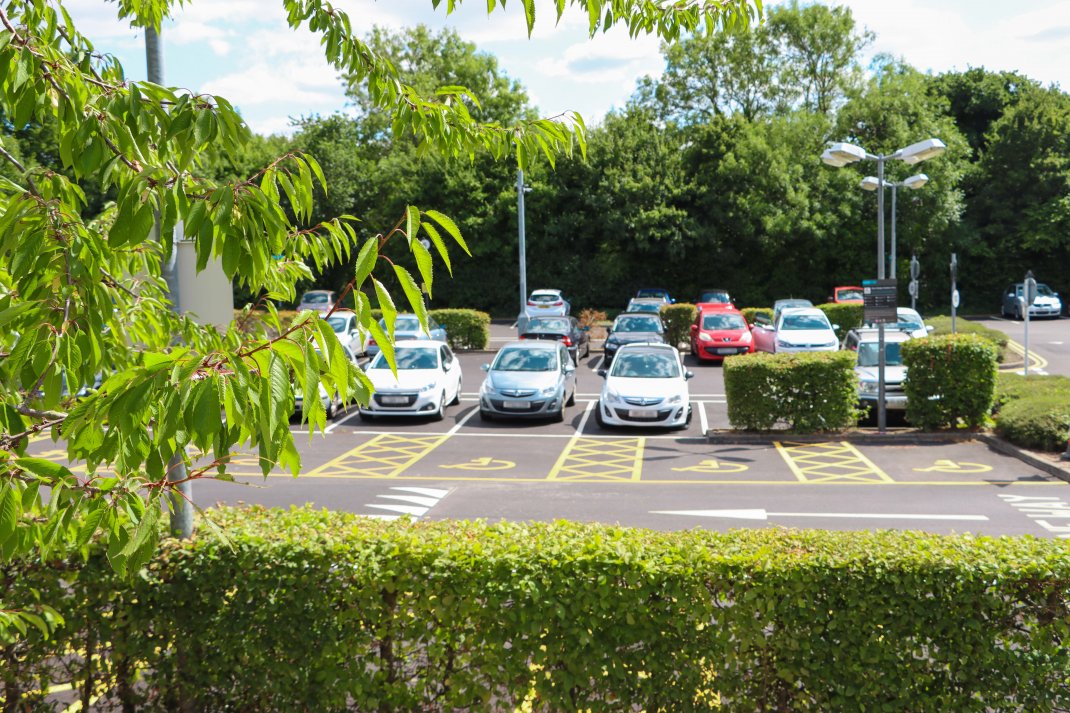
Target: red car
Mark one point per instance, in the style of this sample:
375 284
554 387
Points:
719 331
846 295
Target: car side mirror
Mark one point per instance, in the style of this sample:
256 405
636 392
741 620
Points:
689 375
602 373
694 328
835 327
929 328
569 368
485 367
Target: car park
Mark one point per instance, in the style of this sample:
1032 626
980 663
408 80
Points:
846 295
428 379
562 329
655 292
528 379
645 304
547 303
865 342
645 386
1047 303
407 327
346 327
631 327
321 301
797 329
332 404
719 331
712 295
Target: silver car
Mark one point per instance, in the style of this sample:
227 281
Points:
321 301
531 379
1047 303
407 326
865 342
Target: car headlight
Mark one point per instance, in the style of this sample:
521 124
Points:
613 397
831 345
428 387
675 399
705 337
548 391
745 338
486 388
869 387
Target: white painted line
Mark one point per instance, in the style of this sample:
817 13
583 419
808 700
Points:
702 417
404 509
586 415
759 514
338 422
414 499
598 365
460 424
429 492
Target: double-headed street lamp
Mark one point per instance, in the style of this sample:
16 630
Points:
839 155
871 183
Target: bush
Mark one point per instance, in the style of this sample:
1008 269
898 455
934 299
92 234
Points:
465 328
951 380
808 391
749 313
845 316
318 611
678 319
1033 412
942 326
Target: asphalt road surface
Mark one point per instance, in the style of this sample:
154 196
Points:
1049 342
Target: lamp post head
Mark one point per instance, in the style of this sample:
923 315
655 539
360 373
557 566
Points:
871 183
840 154
922 151
916 181
831 160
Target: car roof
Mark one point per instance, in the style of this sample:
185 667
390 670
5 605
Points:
645 300
793 301
318 292
547 291
717 307
530 344
871 334
638 314
649 347
800 310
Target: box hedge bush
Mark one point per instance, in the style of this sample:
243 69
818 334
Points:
1034 411
845 316
806 391
316 611
465 328
749 313
951 380
678 319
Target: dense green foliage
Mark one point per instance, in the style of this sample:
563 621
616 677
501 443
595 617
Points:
844 316
942 325
465 328
951 380
1033 412
678 319
327 612
807 391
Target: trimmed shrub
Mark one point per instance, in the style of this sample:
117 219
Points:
951 380
318 611
465 328
749 313
942 325
807 391
1033 412
845 316
678 319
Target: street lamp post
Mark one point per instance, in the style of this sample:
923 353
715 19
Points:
841 154
871 183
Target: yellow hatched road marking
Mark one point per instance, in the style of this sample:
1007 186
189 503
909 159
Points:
603 459
385 456
830 462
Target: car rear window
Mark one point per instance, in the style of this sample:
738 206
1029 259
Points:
544 298
723 321
650 293
338 324
553 325
634 306
314 298
717 296
638 323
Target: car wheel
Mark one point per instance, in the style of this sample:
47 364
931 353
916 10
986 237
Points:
330 411
571 398
598 415
365 416
441 412
485 415
558 415
457 396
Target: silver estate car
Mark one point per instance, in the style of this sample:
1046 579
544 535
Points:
529 379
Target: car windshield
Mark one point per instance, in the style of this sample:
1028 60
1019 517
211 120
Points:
408 359
851 294
644 307
638 323
651 293
646 366
314 298
338 324
910 323
869 354
549 325
723 321
799 322
526 360
1044 290
718 296
544 297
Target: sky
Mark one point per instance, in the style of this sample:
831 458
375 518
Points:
244 50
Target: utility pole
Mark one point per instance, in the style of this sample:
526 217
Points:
520 190
182 490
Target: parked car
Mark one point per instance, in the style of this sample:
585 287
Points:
633 327
718 332
846 295
714 294
1047 303
780 305
563 329
645 386
407 326
908 321
547 303
529 379
332 404
321 301
797 329
645 304
346 326
864 341
428 379
655 292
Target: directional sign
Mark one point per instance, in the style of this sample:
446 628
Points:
758 514
879 301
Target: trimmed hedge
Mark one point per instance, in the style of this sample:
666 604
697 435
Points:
942 325
845 316
951 380
465 328
807 391
749 313
1034 412
678 319
316 611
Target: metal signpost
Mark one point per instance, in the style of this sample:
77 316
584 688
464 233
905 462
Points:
954 289
520 189
912 287
879 306
1029 296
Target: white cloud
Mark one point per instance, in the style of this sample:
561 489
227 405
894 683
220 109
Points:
262 83
612 57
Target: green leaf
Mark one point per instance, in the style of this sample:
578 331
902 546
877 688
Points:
424 263
132 225
366 259
439 244
44 468
412 292
412 222
449 226
9 513
386 305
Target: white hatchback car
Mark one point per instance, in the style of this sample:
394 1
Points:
428 379
645 386
547 303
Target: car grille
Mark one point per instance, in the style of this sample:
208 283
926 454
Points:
624 415
635 401
410 399
517 393
499 405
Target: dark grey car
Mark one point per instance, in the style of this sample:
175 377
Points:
631 327
561 329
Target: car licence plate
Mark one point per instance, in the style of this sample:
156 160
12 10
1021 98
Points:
516 404
395 399
638 413
726 351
